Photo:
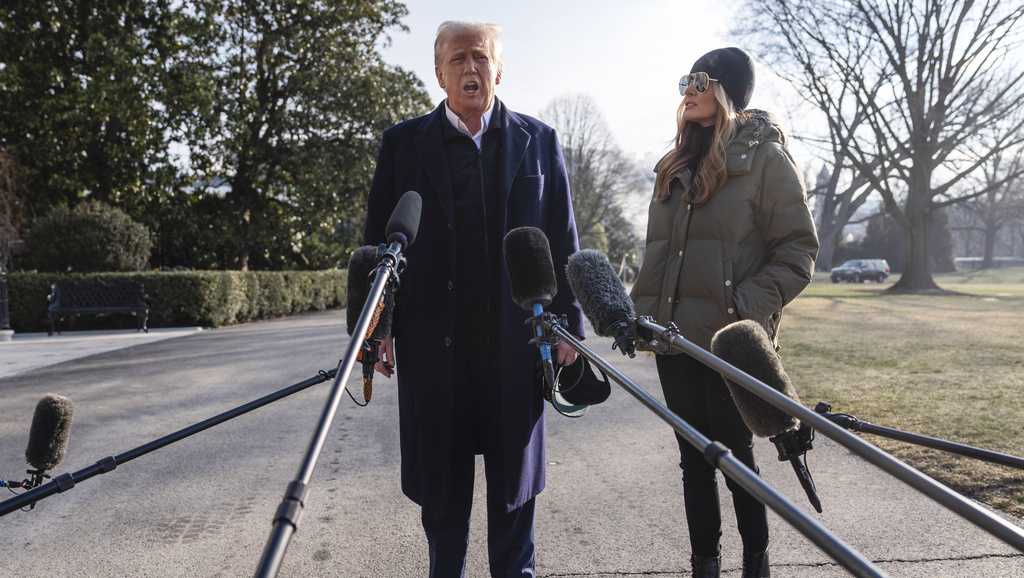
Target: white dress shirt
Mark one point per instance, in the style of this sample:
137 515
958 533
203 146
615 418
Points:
485 121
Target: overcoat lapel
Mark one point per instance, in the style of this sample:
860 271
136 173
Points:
432 161
517 139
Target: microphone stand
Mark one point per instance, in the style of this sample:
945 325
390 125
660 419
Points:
850 422
286 519
967 509
719 455
65 482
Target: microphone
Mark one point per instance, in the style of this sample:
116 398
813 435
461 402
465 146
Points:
603 298
401 231
745 345
47 439
532 278
362 266
404 223
530 268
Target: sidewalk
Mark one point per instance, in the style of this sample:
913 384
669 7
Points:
29 351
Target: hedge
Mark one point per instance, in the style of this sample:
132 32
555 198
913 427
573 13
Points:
205 298
90 237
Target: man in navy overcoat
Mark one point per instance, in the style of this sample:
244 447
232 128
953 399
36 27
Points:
467 380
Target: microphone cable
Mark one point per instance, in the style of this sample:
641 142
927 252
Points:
560 390
24 485
557 389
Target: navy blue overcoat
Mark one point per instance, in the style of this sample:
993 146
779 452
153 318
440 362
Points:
534 192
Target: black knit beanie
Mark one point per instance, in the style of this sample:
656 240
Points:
733 69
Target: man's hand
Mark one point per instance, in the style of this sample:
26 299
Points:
565 354
386 364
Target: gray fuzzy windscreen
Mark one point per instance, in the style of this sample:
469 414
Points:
531 271
596 286
745 345
48 438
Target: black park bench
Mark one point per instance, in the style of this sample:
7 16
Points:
97 297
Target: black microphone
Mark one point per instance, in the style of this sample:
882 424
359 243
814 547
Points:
746 346
47 439
404 223
603 298
362 266
531 270
531 274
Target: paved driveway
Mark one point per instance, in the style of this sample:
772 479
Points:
203 506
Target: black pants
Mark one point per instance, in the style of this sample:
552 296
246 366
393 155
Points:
510 539
699 395
510 542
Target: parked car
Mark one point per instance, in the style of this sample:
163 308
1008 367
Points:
861 270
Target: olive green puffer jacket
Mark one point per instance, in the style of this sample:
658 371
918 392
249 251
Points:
744 254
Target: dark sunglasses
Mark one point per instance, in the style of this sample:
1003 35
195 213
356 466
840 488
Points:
700 81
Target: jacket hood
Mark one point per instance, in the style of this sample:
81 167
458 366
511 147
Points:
760 126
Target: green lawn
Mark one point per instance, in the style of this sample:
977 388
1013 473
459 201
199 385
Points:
950 366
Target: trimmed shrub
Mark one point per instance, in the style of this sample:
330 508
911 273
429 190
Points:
91 236
206 298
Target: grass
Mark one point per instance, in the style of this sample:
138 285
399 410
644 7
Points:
949 366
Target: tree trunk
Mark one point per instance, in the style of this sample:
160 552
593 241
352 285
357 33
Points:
829 241
242 204
917 273
991 232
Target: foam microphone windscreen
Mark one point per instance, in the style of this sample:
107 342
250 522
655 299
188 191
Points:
530 269
746 345
405 219
361 265
48 438
596 286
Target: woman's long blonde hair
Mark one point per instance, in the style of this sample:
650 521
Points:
712 173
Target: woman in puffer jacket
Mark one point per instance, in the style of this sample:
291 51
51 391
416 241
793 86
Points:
729 237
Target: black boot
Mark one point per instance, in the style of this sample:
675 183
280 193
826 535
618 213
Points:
756 565
706 566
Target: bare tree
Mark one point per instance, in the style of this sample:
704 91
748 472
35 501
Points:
841 190
601 175
840 198
1001 204
927 77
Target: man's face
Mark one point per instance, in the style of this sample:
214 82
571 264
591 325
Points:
468 73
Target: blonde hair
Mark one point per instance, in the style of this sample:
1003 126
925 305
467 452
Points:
711 173
449 28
